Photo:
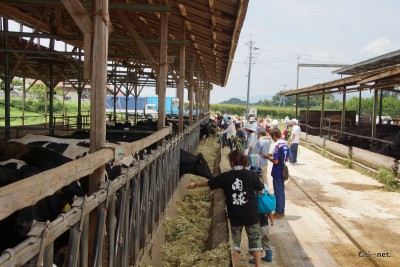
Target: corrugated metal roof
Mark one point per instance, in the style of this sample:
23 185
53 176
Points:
383 61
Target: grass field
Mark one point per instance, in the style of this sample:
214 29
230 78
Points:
31 118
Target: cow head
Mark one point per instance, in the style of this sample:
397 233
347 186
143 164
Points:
201 167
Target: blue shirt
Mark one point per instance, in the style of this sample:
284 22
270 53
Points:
280 153
262 147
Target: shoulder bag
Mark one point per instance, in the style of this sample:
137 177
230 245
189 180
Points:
266 202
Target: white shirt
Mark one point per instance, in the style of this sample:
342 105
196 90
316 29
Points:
230 131
296 133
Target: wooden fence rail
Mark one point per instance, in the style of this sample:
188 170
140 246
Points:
130 207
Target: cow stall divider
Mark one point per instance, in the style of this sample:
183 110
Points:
129 207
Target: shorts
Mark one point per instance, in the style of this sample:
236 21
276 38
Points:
253 235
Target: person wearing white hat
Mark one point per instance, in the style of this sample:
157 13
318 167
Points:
275 124
294 141
253 124
251 139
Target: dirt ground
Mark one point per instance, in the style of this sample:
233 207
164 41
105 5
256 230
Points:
334 217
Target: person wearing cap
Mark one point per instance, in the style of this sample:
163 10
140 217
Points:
262 148
267 123
294 141
275 124
253 124
251 138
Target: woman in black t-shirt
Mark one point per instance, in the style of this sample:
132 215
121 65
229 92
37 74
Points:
239 186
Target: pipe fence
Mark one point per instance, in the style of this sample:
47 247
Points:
129 208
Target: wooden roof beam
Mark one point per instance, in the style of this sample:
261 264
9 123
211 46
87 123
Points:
381 76
135 36
88 5
82 19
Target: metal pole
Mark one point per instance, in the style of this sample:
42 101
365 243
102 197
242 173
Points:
380 106
322 114
298 67
359 109
52 85
115 98
80 89
373 120
308 108
343 121
6 85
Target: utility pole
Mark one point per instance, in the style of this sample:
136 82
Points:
297 83
251 48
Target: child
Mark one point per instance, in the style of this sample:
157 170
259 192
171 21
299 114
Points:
264 235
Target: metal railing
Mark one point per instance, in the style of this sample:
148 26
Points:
129 207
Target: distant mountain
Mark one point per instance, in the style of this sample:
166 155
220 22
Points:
234 101
253 100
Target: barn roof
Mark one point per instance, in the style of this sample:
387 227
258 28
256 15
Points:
383 61
382 72
212 31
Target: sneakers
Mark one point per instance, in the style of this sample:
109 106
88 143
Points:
279 216
267 257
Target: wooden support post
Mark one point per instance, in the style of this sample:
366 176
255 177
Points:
307 111
99 45
321 122
380 105
343 120
197 96
191 87
200 89
7 83
359 108
182 71
163 69
373 119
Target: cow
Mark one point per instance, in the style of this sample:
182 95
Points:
70 148
193 164
14 228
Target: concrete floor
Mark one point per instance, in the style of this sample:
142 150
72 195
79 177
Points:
334 217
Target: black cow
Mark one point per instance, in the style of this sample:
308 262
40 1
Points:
12 171
14 229
193 164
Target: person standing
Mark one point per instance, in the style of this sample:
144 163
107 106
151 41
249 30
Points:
294 141
253 124
262 148
230 132
279 157
251 139
241 134
240 186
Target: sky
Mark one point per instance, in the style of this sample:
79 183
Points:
318 31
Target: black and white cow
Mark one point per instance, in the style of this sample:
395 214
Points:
14 229
70 148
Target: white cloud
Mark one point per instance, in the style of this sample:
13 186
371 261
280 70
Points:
379 46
